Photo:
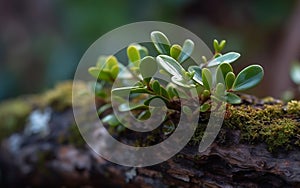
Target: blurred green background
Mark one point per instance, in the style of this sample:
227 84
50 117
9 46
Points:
42 41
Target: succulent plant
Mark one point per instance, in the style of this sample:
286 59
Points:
212 79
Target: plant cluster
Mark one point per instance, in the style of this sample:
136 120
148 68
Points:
213 79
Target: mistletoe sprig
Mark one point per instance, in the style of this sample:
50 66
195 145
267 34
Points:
212 79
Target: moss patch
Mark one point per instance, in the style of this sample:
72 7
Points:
13 115
276 125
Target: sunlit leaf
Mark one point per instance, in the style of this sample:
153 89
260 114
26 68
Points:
161 42
94 71
204 107
187 50
222 71
175 51
133 55
198 74
207 78
229 80
226 58
148 67
248 77
182 82
111 120
170 65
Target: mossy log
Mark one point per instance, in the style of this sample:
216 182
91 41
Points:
239 157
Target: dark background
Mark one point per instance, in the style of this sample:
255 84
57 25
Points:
42 41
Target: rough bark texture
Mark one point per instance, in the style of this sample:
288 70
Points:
53 161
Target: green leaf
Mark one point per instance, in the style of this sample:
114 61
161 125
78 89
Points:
105 75
155 87
233 98
248 77
187 50
295 73
187 110
204 107
220 90
114 71
101 62
222 71
148 67
94 71
143 51
171 93
170 65
175 51
161 42
133 54
144 115
148 101
111 120
222 45
125 107
111 61
227 58
207 78
124 91
182 82
216 45
198 74
164 92
229 80
104 108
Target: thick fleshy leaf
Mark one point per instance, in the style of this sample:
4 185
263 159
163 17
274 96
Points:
148 101
105 75
220 90
101 62
148 67
175 51
133 54
125 107
114 71
155 86
171 92
111 120
143 51
182 82
104 108
170 65
164 92
248 77
207 78
161 42
204 107
233 98
226 58
111 61
198 74
94 71
124 91
187 50
222 71
144 115
295 73
229 80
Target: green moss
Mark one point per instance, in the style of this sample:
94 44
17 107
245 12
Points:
293 107
269 123
58 98
13 115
